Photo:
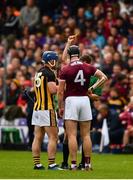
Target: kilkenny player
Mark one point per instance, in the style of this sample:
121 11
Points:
44 116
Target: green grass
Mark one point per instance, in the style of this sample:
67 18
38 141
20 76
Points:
18 164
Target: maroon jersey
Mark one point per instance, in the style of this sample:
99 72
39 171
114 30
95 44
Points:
77 76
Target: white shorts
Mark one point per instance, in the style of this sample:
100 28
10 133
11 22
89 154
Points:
44 118
78 108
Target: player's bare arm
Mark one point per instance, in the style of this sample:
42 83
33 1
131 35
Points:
52 87
102 78
61 96
93 97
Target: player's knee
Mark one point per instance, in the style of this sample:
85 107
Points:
72 138
38 136
85 137
53 137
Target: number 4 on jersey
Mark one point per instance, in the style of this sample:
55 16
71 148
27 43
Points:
80 78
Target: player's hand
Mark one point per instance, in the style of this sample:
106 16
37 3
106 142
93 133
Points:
89 92
94 97
61 112
71 39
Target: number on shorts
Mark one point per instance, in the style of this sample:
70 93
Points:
80 78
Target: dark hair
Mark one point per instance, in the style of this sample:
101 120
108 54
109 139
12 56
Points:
88 58
121 77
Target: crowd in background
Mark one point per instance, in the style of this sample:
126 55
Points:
105 30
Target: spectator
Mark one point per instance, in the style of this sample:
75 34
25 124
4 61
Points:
96 39
121 26
123 45
109 22
14 92
71 23
46 21
130 84
1 97
1 55
114 33
81 18
107 65
127 119
15 62
18 44
29 97
65 12
130 63
97 14
96 125
29 16
122 85
51 34
117 69
10 71
21 54
115 101
10 26
130 35
100 26
118 59
114 124
29 59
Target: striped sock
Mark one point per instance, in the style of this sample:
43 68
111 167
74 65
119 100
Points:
51 161
87 161
36 160
73 164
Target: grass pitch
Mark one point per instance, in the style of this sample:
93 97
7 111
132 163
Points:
18 165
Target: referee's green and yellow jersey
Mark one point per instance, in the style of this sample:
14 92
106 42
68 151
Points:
43 97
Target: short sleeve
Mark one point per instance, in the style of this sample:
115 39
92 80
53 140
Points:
46 72
93 70
51 77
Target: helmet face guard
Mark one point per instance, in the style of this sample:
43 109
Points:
50 57
52 63
73 51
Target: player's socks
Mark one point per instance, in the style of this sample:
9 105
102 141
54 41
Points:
87 163
87 160
73 165
52 165
51 161
36 160
37 164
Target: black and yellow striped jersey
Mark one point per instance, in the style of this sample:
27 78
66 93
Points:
43 97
